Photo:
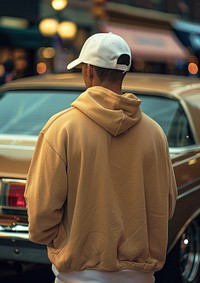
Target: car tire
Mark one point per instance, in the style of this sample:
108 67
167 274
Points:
183 262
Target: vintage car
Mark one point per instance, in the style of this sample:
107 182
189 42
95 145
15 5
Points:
174 102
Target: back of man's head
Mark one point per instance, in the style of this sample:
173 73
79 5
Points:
112 75
105 51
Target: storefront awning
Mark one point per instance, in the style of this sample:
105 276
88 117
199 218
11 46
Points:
29 38
188 33
150 44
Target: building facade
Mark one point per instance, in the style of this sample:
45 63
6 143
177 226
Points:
163 34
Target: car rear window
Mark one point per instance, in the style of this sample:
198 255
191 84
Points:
26 112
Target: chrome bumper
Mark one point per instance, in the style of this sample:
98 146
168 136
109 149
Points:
16 246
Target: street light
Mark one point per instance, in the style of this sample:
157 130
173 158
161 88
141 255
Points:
59 5
67 30
48 27
51 26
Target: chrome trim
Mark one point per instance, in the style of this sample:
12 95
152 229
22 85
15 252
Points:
9 180
14 236
194 189
18 138
15 228
184 149
193 157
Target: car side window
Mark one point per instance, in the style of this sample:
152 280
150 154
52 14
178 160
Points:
180 133
169 114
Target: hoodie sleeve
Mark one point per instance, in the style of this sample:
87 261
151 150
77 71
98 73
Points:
46 191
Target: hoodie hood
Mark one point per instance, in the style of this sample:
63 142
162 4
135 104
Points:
115 113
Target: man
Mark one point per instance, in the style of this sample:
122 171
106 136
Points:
8 68
101 187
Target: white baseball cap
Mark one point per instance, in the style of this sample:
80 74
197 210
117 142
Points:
103 50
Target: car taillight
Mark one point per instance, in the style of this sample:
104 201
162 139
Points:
16 195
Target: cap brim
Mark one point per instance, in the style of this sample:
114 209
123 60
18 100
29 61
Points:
74 64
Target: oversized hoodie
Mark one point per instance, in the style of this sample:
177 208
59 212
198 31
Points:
101 187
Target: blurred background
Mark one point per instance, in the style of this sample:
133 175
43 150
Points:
42 36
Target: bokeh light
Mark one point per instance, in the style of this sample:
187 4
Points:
41 68
193 68
59 4
48 26
48 52
67 30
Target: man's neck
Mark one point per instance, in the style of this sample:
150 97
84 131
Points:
117 88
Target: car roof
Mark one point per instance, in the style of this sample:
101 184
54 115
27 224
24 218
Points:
50 81
174 86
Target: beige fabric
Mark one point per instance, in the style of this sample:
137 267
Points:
101 188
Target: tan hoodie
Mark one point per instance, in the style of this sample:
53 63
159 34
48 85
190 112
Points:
101 187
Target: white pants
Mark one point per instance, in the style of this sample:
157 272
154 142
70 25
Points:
92 276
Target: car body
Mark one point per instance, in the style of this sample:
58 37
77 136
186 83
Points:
174 102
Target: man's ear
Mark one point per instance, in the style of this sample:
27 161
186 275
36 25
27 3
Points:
90 71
